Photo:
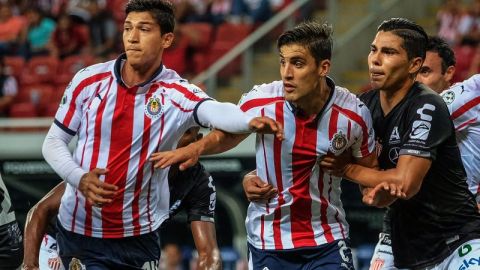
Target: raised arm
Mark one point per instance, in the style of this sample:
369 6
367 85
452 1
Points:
36 225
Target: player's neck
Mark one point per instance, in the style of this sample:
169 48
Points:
389 98
314 103
132 76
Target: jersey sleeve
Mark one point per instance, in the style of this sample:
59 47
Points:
365 141
186 98
428 125
78 92
260 95
463 102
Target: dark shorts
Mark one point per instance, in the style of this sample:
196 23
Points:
333 256
11 246
194 191
129 253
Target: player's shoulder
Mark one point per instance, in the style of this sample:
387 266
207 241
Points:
424 95
273 90
99 69
169 78
462 92
348 101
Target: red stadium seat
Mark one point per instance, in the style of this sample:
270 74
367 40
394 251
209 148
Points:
199 34
40 69
23 109
175 57
14 65
38 94
71 65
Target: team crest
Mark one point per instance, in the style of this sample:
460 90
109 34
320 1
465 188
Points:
54 263
153 108
448 97
76 264
338 143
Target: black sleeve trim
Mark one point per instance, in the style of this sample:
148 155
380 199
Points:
64 128
195 112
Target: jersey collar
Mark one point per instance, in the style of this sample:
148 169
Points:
298 112
117 68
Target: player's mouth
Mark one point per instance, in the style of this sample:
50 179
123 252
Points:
288 87
376 74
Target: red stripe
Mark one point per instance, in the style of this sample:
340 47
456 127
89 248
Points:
336 211
80 87
187 93
74 211
262 220
277 159
471 121
88 207
465 108
359 120
118 158
259 102
327 230
180 107
147 125
303 159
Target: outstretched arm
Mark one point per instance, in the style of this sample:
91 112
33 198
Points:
215 142
206 243
256 190
36 225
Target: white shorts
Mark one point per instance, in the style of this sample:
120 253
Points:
382 258
48 258
465 257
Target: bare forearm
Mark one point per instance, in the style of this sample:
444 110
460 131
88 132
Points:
368 177
35 228
218 142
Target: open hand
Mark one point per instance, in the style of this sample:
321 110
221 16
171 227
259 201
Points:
383 194
267 125
187 157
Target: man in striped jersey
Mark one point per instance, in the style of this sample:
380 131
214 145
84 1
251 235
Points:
304 227
122 111
437 226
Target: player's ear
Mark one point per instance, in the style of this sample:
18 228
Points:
415 65
324 67
167 40
449 73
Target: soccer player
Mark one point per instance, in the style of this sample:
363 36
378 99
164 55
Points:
192 190
437 225
11 249
122 111
304 227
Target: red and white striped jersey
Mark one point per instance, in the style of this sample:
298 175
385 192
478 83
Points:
118 128
307 211
463 101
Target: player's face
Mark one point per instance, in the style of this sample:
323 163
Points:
431 73
388 62
301 75
143 41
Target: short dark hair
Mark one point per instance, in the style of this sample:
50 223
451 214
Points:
317 38
161 10
414 36
440 46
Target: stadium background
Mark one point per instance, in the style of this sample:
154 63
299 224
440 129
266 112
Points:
225 65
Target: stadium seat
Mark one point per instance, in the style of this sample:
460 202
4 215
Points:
71 65
39 95
14 65
175 56
199 34
40 69
23 109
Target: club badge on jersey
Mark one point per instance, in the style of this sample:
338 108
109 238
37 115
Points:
76 264
153 108
338 143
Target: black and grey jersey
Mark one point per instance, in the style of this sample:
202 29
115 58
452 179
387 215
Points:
443 214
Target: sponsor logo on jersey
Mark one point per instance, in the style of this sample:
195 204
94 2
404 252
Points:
464 250
420 130
338 143
151 265
395 136
76 264
154 108
471 262
377 264
393 154
64 100
448 97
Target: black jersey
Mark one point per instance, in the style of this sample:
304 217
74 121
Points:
194 191
443 214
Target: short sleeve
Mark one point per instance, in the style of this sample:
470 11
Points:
428 125
463 102
259 96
